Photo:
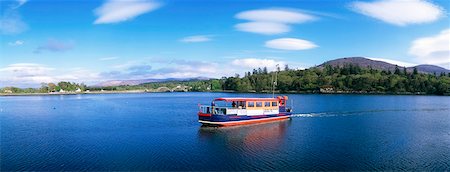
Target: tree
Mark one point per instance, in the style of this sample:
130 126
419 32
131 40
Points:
243 85
286 67
264 70
215 85
260 71
284 82
52 87
397 70
44 88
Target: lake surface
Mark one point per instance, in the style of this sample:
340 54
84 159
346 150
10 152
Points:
159 131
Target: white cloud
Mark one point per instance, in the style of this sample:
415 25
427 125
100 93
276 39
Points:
164 69
290 44
400 12
267 28
254 63
11 22
25 74
275 15
270 21
399 63
196 38
16 43
108 58
32 74
26 69
433 50
114 11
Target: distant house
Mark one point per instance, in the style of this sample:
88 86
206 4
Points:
327 89
7 91
78 90
62 91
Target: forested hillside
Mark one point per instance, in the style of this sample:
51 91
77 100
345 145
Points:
348 78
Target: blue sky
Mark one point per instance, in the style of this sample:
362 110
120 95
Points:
93 41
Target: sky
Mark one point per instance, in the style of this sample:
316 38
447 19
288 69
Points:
94 41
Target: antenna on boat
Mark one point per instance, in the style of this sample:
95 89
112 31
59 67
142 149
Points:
292 105
274 83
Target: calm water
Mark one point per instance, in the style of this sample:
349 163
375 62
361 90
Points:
160 132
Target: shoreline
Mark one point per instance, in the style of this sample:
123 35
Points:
222 91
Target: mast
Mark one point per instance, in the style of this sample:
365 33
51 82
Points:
274 82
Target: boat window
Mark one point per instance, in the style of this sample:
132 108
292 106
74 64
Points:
251 104
267 104
274 103
241 104
258 104
234 105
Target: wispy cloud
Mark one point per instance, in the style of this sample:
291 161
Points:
20 3
397 62
115 11
55 45
32 74
197 38
11 21
16 43
433 49
275 15
107 58
267 28
290 44
177 68
25 74
271 21
400 12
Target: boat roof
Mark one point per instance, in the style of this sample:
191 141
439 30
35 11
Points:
244 99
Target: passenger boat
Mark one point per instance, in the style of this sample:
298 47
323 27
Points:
238 111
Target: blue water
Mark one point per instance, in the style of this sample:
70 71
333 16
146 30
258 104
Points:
159 131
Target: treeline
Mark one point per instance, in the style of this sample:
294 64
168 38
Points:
349 78
48 87
346 79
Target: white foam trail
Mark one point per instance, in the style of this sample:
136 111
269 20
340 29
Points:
308 115
351 113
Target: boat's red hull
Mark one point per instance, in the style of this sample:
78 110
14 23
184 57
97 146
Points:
244 122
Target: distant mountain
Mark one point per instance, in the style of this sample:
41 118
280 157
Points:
380 65
142 81
431 69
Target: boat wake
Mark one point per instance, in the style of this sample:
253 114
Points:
351 113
